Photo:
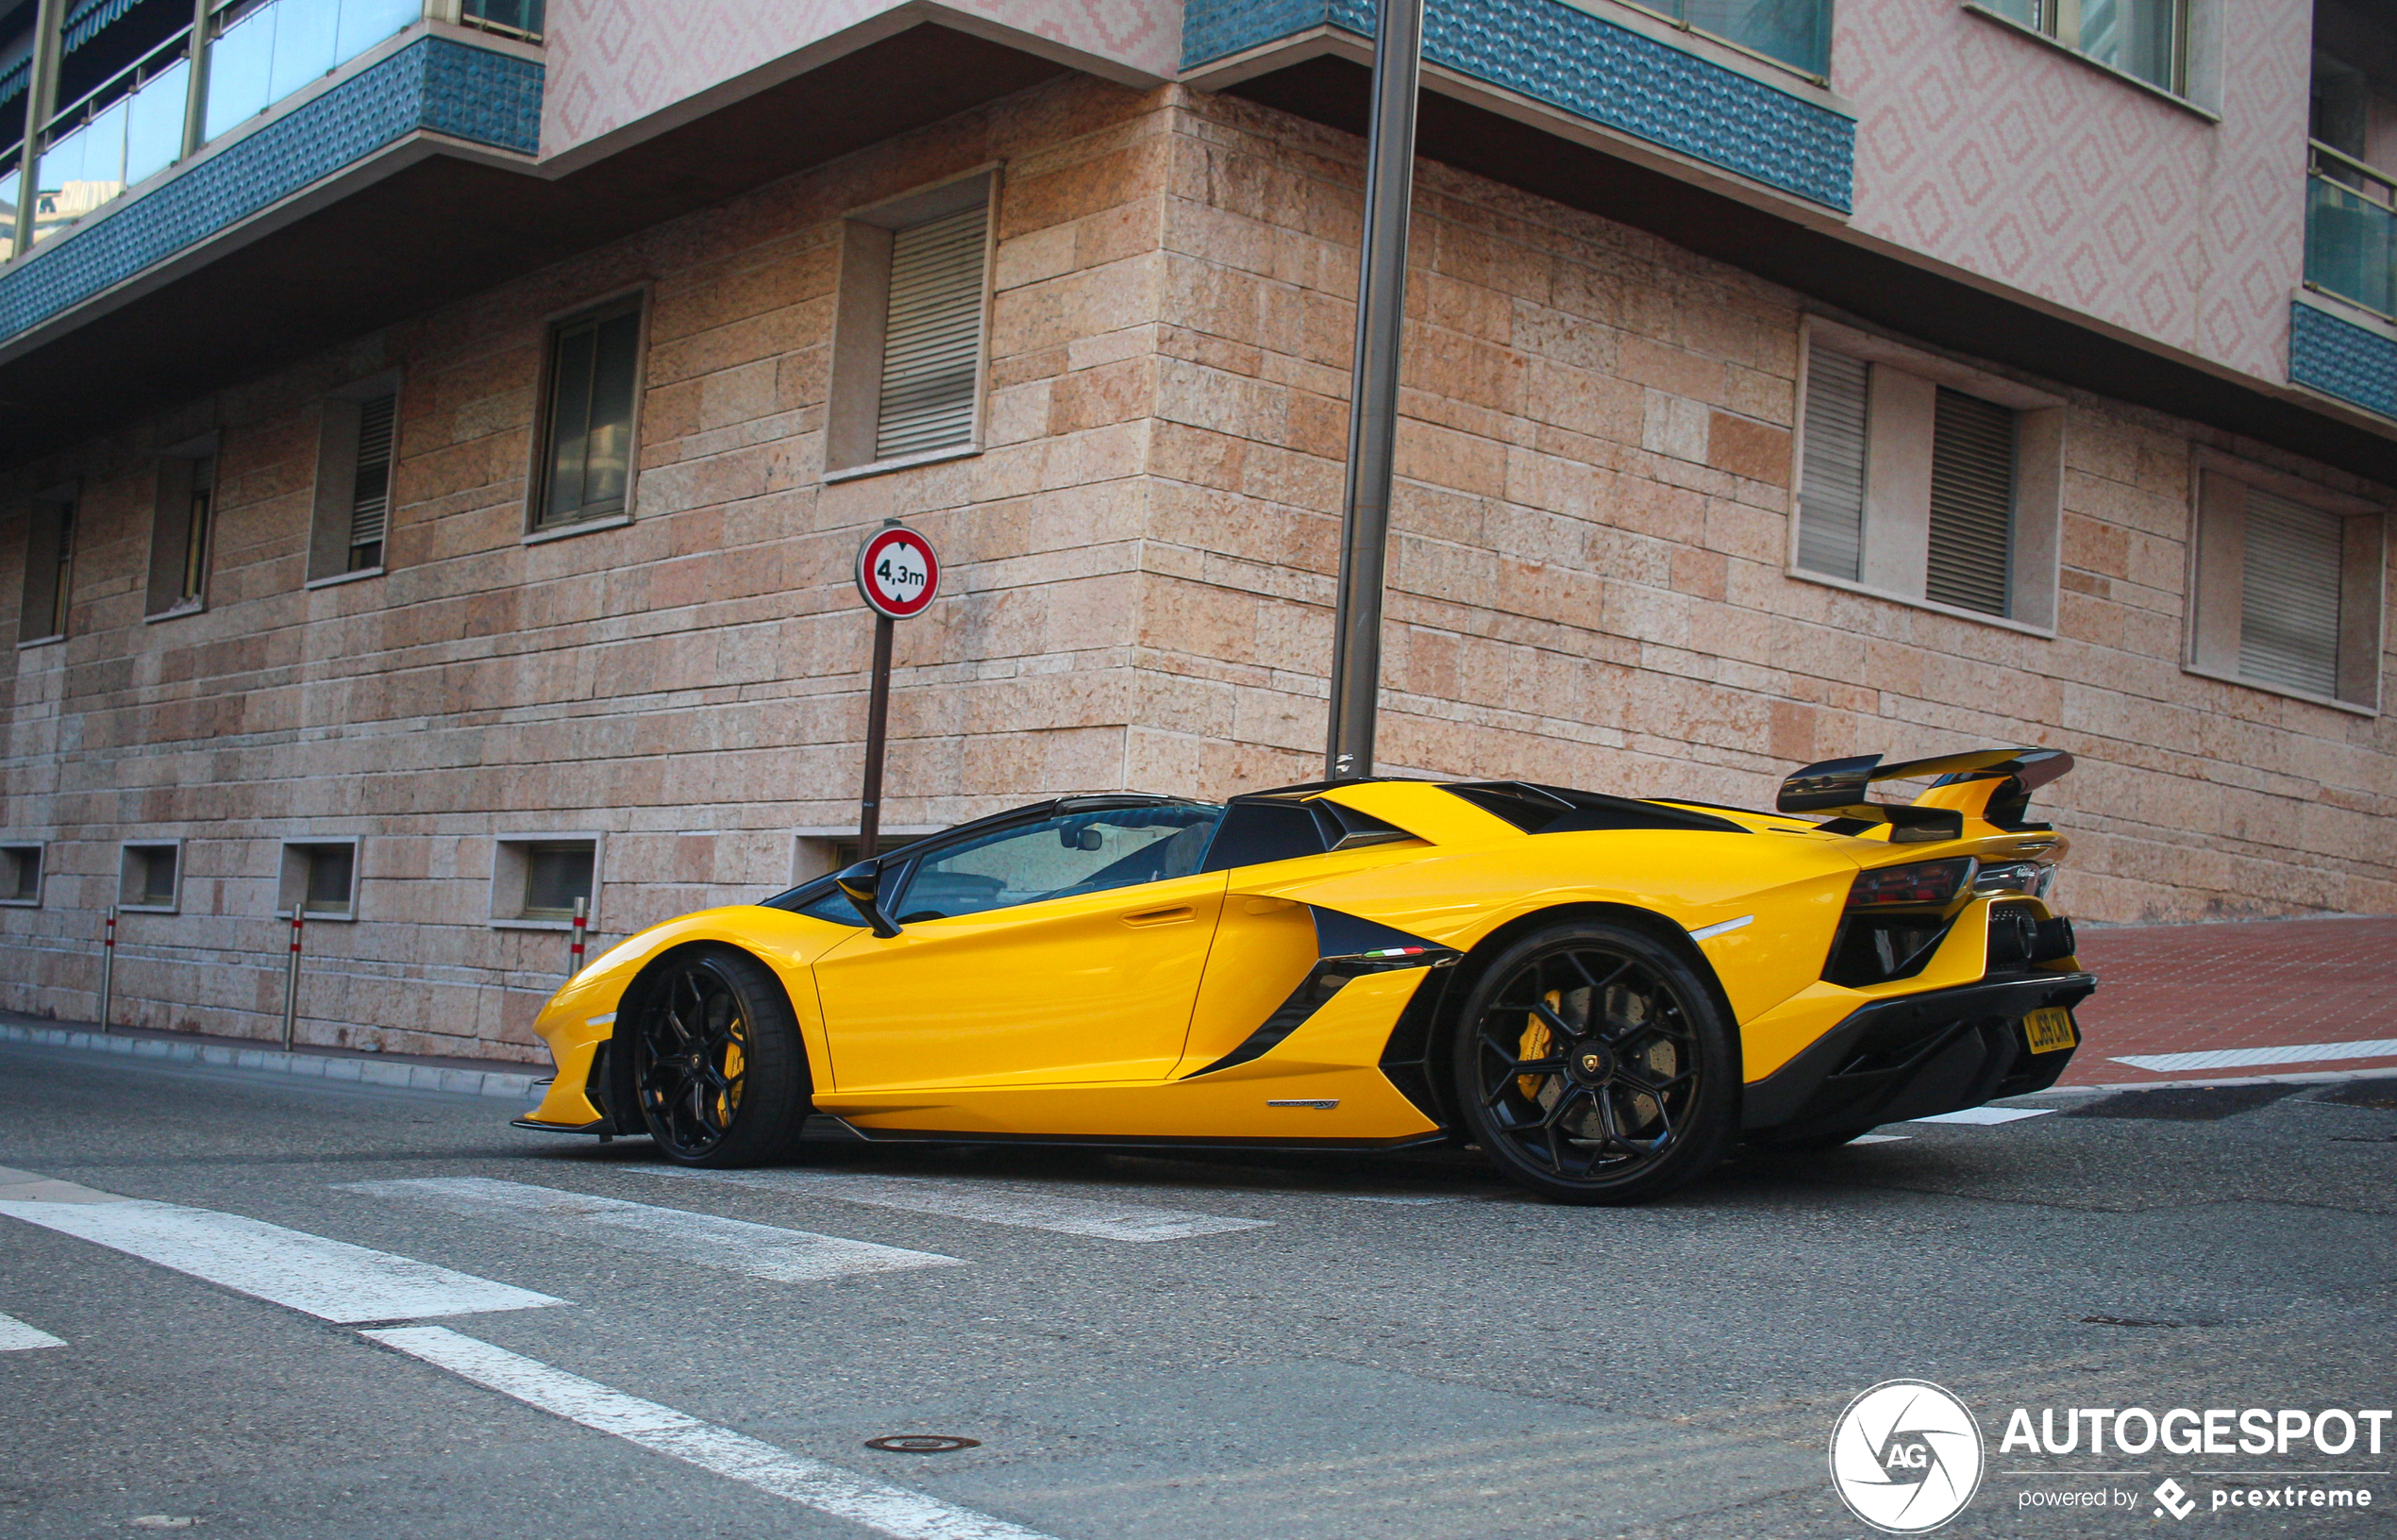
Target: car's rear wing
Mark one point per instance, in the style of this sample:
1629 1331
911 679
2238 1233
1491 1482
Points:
1994 784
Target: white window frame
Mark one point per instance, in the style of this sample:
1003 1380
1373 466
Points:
40 871
861 318
336 481
537 473
2218 572
171 532
124 872
1898 479
2199 88
292 884
508 878
63 503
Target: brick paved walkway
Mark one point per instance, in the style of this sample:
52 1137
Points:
2326 987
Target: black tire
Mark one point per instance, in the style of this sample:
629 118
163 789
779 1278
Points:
1594 1065
716 1064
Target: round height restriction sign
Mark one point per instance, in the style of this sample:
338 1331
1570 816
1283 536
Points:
898 572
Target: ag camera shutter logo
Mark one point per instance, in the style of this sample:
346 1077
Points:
1905 1456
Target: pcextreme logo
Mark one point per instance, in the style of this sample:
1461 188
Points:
1905 1456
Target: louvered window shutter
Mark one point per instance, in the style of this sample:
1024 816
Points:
932 345
1830 514
370 485
2289 599
1971 503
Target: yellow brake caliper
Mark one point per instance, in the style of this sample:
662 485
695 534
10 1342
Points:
1535 1044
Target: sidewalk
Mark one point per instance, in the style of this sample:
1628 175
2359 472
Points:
414 1071
2247 999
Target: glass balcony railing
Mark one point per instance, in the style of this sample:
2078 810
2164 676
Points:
280 46
1792 32
2350 231
133 126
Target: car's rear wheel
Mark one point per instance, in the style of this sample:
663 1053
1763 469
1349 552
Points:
1594 1066
717 1065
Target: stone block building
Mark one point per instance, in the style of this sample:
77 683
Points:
432 495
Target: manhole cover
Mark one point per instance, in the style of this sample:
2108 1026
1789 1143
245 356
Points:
921 1444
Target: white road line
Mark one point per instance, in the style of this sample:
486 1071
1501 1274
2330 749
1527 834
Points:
2297 1053
732 1246
1881 1139
329 1280
15 1336
1987 1115
827 1488
989 1202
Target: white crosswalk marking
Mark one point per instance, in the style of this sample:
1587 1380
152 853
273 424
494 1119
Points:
329 1280
732 1246
827 1488
15 1336
1986 1114
2296 1053
989 1202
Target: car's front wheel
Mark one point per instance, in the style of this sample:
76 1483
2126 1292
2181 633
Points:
1594 1066
719 1068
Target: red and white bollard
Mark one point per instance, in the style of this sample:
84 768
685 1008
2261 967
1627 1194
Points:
583 926
107 964
290 980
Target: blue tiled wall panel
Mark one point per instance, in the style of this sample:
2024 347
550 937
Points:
471 93
1569 59
2341 359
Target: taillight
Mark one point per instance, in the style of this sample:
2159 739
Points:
1925 883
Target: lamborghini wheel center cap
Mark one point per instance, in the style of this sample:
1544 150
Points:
1592 1064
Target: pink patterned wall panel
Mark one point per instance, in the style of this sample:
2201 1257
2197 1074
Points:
1992 151
612 62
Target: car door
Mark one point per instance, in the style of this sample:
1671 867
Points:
1064 949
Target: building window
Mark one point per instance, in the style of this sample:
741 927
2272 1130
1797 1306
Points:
509 18
21 876
320 878
182 530
1972 526
911 329
356 448
2287 586
49 569
150 875
1924 480
1792 32
2148 39
536 879
588 401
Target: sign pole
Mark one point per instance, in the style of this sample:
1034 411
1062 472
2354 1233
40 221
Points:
290 980
1373 390
107 965
897 576
582 922
878 727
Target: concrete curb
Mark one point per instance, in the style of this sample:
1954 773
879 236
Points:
321 1066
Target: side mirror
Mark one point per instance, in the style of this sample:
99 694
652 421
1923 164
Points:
860 884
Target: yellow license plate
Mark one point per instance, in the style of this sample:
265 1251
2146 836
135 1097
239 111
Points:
2049 1027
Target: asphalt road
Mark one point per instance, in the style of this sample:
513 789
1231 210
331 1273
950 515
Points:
1389 1346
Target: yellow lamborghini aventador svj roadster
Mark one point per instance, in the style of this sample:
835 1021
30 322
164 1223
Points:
1603 995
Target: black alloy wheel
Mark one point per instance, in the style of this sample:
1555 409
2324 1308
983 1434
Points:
1595 1066
718 1067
